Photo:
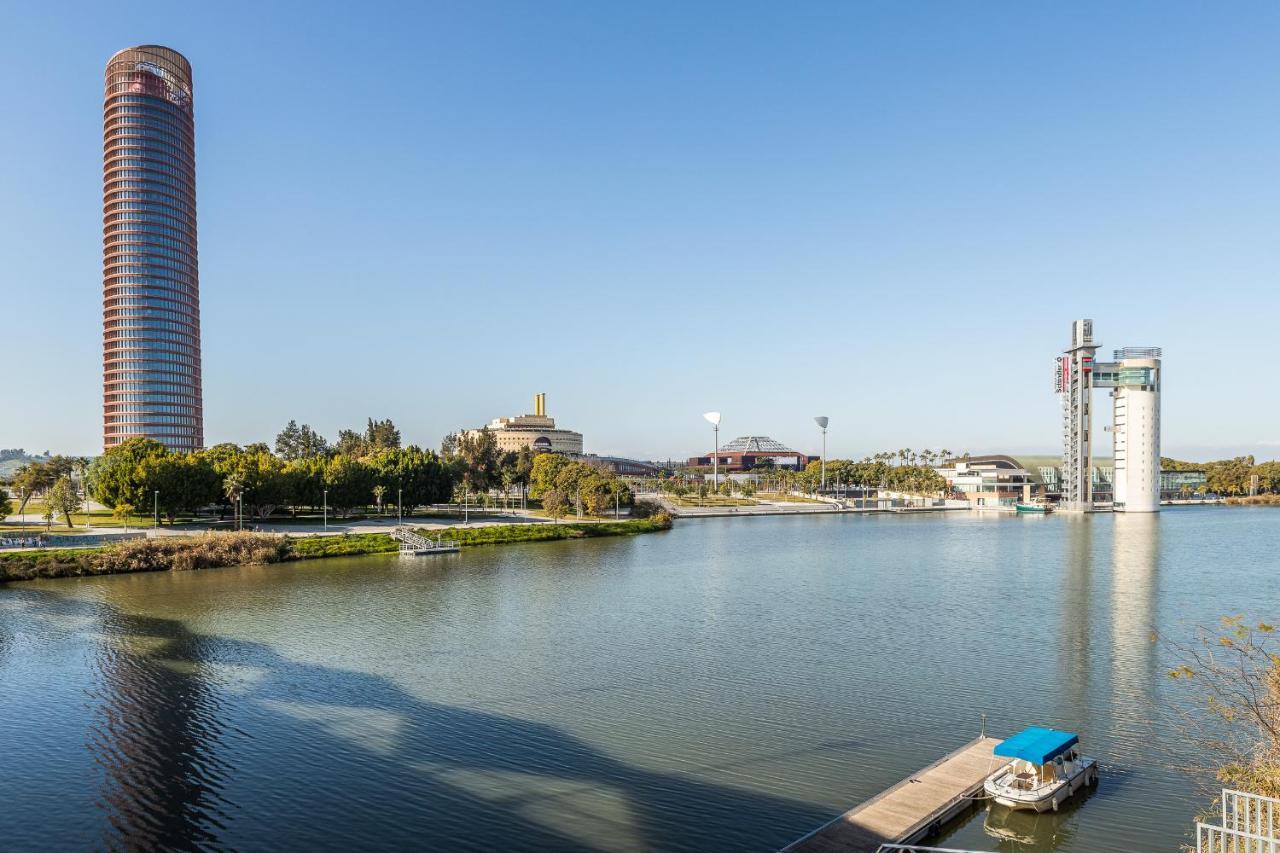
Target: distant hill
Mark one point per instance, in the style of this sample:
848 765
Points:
11 459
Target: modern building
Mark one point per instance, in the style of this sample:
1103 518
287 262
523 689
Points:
991 481
1134 377
537 431
622 466
751 451
150 277
1175 485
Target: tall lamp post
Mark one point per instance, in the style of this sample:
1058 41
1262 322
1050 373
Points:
400 505
714 419
155 511
822 421
326 510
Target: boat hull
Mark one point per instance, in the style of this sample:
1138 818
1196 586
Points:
1043 798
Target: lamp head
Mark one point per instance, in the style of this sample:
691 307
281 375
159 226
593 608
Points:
713 418
822 421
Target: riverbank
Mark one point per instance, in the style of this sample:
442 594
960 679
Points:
216 550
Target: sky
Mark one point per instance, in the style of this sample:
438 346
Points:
886 213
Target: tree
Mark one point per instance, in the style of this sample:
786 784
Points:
378 492
544 471
6 505
29 479
184 483
556 504
1235 674
478 456
381 435
118 476
418 475
349 482
122 513
350 443
299 442
61 498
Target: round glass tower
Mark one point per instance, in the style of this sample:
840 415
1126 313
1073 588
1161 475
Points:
150 282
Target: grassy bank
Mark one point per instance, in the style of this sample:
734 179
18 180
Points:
212 550
1256 500
498 534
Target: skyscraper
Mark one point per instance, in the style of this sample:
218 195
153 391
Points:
150 281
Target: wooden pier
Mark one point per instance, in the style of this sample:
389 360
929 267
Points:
911 809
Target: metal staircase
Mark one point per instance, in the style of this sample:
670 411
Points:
412 542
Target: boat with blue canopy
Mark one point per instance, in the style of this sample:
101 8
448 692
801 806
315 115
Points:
1045 770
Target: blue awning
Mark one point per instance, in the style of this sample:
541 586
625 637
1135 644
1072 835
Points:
1037 745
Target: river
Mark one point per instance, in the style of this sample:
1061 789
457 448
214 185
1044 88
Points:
728 685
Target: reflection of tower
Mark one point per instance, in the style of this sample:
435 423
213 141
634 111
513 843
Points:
156 728
1075 630
1075 382
1134 557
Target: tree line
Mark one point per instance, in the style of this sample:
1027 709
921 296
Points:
302 470
1232 477
363 469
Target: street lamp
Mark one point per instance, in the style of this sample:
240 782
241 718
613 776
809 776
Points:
400 505
326 510
822 421
713 418
155 510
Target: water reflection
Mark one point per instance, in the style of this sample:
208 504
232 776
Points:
1134 558
156 729
401 772
1075 628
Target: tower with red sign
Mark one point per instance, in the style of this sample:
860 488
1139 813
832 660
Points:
1075 383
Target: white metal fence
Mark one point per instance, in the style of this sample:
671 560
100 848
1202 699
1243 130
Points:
1249 825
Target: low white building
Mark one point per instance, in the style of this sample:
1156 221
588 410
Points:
990 481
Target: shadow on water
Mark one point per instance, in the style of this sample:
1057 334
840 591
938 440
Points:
306 756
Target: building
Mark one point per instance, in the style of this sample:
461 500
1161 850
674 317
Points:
1134 377
150 279
995 480
622 466
536 431
1176 485
753 451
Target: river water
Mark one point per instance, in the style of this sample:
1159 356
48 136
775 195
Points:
728 685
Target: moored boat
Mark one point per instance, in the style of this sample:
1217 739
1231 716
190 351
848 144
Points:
1046 769
1033 508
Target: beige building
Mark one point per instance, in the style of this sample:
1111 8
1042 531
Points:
537 431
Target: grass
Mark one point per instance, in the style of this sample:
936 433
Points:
710 500
210 550
781 498
1255 500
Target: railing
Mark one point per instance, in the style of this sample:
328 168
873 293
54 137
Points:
1249 825
411 541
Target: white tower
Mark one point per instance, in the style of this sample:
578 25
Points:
1135 376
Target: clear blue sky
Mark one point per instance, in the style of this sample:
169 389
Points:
888 213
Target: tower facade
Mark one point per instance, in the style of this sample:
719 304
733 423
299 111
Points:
150 276
1135 380
1074 381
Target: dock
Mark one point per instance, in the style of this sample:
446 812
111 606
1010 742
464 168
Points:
912 809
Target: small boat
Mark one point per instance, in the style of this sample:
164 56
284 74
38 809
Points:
1033 508
1046 769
